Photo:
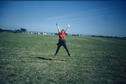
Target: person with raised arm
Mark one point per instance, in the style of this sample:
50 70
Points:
62 41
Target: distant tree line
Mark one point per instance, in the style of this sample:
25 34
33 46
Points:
24 30
21 30
108 36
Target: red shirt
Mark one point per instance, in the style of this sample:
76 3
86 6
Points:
62 35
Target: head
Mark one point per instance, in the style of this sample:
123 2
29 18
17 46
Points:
62 31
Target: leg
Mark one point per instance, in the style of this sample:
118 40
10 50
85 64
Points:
64 45
58 47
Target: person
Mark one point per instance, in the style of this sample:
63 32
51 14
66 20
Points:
62 41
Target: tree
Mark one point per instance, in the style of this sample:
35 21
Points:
1 30
23 30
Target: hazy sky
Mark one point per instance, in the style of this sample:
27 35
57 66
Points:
85 17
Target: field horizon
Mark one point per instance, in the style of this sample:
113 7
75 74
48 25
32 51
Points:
29 59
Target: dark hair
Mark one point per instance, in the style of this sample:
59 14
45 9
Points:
62 30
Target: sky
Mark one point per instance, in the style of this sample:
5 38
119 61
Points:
85 17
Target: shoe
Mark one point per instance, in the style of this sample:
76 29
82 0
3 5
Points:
70 55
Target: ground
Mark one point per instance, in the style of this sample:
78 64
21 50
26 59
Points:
29 59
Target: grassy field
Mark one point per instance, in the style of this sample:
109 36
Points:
29 59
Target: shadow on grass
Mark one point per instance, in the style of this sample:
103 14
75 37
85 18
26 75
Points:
42 58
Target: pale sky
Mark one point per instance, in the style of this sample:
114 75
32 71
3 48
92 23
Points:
85 17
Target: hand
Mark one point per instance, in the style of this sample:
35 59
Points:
68 25
56 24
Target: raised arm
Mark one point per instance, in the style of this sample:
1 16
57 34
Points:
58 27
68 26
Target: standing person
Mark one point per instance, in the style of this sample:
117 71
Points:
62 41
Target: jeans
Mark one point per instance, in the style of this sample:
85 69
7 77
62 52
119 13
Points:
62 42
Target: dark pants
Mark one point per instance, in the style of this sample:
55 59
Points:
62 42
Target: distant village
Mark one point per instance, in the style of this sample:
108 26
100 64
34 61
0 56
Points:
24 31
49 33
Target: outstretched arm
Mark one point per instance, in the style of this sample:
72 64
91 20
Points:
68 26
58 27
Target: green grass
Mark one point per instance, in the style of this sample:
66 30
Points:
29 59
